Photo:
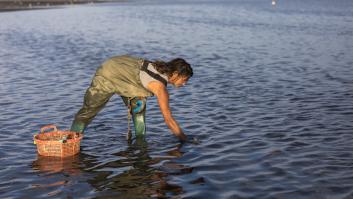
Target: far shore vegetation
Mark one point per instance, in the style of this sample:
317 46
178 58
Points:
12 5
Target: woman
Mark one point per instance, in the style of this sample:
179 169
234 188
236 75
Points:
134 79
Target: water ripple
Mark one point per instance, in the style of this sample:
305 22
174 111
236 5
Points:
270 100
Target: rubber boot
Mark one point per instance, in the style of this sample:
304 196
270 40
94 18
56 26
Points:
78 127
138 111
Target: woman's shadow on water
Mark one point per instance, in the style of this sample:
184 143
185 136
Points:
133 173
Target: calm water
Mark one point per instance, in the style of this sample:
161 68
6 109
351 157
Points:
271 100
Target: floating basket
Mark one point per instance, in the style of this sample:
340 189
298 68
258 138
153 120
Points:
57 143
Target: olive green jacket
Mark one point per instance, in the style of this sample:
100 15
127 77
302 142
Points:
121 75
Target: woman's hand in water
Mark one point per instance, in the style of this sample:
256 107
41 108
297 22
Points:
189 139
182 137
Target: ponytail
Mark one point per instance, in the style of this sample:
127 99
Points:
178 65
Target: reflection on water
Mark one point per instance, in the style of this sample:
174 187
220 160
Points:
270 100
49 165
139 181
131 175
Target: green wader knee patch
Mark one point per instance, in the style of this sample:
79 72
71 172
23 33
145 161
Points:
138 111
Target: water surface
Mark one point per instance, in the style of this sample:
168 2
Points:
270 100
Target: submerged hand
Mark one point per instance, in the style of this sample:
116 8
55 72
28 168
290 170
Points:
194 140
182 137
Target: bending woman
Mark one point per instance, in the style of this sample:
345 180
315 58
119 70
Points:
134 79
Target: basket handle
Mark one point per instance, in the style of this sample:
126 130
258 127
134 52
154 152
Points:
51 126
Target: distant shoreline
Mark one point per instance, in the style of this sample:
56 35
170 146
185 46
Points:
15 5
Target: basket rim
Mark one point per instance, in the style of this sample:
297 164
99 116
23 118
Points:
73 140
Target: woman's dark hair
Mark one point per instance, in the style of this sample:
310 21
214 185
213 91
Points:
178 65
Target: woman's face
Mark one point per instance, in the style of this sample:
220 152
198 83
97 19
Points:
181 81
178 80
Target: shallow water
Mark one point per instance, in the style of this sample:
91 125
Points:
271 100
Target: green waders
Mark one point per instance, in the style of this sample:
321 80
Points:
93 103
137 108
118 75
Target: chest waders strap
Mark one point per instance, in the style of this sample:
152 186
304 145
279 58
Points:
152 74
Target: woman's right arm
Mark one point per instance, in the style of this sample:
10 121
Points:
160 91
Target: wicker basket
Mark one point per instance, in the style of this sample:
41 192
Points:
57 143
